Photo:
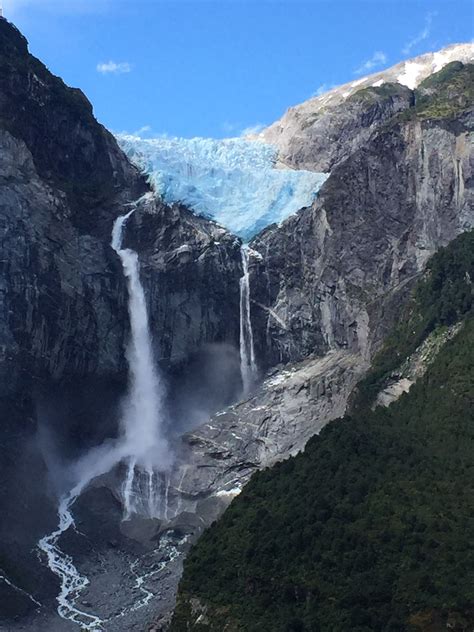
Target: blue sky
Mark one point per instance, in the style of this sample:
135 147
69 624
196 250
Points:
200 68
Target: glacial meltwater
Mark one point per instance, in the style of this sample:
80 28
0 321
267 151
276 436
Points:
248 364
141 445
145 446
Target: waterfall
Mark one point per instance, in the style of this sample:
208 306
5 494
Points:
142 446
144 442
248 365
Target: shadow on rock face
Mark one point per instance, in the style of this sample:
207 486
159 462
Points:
27 512
210 381
80 415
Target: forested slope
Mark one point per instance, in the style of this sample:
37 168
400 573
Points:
371 528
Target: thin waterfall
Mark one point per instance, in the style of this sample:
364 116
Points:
142 421
248 365
127 490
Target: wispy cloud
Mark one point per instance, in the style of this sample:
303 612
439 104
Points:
422 35
379 58
252 129
322 89
233 129
145 130
230 128
114 68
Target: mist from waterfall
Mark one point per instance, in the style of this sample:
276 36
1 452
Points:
248 364
144 443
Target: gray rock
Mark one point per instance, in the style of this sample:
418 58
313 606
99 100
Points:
63 301
290 406
326 129
334 275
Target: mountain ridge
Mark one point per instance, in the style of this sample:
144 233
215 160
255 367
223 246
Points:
324 286
295 127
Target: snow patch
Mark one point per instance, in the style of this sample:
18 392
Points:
409 76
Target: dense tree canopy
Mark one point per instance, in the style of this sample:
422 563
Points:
371 528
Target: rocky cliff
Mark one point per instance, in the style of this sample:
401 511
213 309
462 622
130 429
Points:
331 276
64 182
325 287
328 285
368 528
63 300
326 129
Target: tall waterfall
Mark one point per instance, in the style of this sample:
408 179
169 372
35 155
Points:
142 446
146 448
248 365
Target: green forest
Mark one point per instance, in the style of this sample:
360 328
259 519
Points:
371 527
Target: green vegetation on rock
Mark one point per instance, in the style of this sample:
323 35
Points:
378 93
445 93
443 297
371 528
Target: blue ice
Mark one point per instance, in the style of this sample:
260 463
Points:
233 181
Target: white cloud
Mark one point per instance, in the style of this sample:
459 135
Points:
114 68
322 89
378 59
252 129
422 35
144 130
229 128
234 130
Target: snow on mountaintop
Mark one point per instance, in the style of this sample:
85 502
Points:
409 73
236 181
233 181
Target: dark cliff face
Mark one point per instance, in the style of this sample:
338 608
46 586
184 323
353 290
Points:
64 181
70 150
63 299
190 268
333 276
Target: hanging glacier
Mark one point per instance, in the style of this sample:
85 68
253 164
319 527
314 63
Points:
233 181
